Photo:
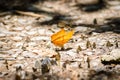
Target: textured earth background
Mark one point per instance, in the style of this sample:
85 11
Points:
93 53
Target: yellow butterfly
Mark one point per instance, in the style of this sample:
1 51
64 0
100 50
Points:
61 37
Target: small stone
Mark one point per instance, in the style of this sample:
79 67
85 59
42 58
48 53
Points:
89 53
40 38
31 32
18 28
107 58
28 54
71 53
17 38
80 29
115 53
22 21
20 57
2 35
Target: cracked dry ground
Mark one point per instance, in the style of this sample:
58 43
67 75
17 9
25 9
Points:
26 51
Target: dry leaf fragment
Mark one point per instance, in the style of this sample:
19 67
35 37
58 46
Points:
88 61
94 45
88 44
109 44
79 49
61 37
116 45
57 57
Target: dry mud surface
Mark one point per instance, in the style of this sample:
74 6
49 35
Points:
93 53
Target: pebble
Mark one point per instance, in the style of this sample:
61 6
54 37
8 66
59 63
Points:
28 27
80 29
2 35
28 54
116 7
114 2
95 33
107 58
39 38
71 53
17 38
94 63
18 28
31 33
89 53
22 21
32 43
18 44
20 57
88 2
115 53
41 31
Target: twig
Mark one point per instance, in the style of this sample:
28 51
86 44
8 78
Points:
29 13
7 58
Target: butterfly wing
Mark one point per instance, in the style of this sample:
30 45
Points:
61 37
59 41
67 36
57 35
